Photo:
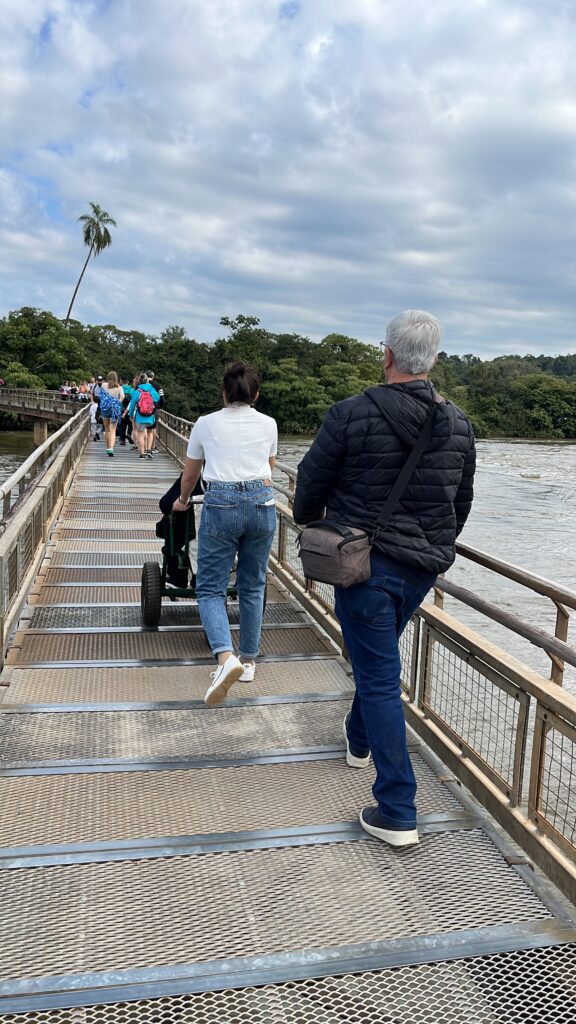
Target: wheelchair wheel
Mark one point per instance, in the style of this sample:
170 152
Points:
151 594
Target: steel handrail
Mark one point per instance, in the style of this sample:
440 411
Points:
39 457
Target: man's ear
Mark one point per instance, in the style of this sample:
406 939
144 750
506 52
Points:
388 358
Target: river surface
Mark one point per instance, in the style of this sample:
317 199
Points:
524 512
15 447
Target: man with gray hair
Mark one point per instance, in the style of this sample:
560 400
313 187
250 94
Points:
348 474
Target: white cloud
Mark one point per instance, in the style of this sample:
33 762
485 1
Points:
320 165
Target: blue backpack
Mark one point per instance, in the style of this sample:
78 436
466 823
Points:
110 407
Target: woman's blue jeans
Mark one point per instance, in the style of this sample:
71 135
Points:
237 519
373 615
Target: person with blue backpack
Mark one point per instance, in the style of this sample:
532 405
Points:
111 398
142 412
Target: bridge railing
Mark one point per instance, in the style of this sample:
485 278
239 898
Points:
26 401
27 527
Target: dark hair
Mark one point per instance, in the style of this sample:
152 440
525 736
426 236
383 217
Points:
142 379
241 383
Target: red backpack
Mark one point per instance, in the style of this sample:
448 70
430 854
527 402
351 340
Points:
145 404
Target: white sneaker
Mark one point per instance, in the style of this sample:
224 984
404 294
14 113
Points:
248 673
223 678
354 760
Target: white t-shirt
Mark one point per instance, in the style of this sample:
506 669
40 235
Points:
236 443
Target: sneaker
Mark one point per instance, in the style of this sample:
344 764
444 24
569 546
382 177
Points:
148 455
95 438
223 678
248 673
355 758
142 456
154 450
109 452
372 822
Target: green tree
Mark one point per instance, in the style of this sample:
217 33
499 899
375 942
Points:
37 341
96 236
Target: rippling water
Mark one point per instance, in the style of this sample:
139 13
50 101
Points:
524 512
15 447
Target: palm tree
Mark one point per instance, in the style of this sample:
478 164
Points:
96 236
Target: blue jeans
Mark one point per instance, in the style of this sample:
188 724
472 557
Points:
373 615
237 519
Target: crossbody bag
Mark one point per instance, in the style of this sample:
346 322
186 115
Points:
332 552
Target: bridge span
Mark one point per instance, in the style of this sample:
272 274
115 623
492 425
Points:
161 861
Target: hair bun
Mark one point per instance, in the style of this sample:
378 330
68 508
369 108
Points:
237 369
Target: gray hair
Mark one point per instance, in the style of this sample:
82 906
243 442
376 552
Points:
414 337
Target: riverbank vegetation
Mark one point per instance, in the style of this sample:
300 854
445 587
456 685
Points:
510 396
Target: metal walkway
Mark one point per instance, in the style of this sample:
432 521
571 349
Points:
166 862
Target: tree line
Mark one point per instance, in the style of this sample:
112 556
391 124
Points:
510 396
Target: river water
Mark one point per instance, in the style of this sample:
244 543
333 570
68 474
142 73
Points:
524 512
15 447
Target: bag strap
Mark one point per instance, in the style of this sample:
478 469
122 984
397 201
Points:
407 469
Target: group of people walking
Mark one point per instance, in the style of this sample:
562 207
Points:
346 476
127 411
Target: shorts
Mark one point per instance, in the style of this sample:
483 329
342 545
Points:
152 426
140 428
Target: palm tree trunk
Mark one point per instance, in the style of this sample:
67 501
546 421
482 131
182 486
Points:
77 286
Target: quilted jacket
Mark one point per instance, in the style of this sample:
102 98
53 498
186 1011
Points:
357 455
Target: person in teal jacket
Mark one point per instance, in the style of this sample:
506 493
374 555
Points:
142 413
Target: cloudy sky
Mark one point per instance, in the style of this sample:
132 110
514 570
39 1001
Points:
320 164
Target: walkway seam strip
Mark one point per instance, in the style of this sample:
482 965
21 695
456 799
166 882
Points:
118 985
163 847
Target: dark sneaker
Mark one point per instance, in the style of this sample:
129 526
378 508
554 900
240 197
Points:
148 455
142 456
372 822
355 758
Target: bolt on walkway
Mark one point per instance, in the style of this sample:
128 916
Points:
163 861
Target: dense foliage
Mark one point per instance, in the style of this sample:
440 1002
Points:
511 396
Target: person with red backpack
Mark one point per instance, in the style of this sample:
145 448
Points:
142 412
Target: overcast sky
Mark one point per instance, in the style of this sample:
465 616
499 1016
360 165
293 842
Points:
321 164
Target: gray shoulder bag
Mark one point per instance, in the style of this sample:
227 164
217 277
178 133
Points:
334 553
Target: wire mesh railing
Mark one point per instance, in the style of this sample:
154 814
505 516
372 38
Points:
25 532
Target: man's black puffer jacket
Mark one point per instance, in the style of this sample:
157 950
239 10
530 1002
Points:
355 460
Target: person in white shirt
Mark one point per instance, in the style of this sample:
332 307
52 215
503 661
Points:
237 446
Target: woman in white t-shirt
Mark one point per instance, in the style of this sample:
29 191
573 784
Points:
237 446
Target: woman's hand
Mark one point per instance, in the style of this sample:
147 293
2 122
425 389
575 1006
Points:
179 506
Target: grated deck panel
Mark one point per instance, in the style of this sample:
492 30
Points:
169 735
532 986
87 595
124 805
81 544
91 574
42 648
114 533
47 686
154 912
177 613
105 559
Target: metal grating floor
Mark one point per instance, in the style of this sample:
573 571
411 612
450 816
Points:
532 986
109 783
92 574
261 901
93 559
43 648
169 735
184 683
86 595
123 805
173 614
